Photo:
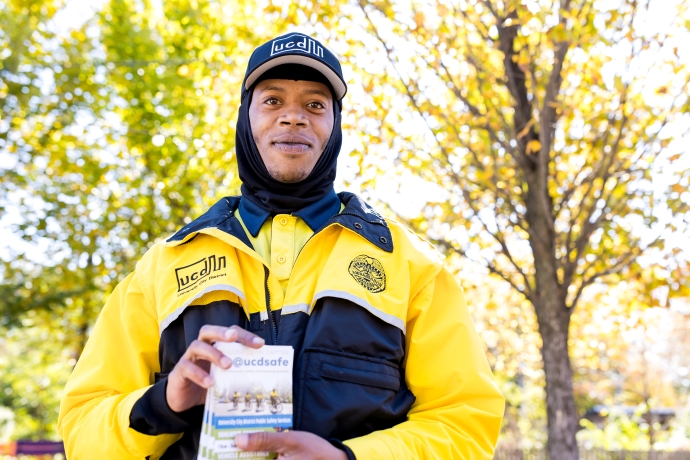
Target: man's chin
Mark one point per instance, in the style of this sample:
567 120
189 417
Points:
288 177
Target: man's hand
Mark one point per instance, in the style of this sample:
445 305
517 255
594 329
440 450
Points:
292 445
189 380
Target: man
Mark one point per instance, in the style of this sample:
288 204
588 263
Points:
274 398
387 361
247 401
259 402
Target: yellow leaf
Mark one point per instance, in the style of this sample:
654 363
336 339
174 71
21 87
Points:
533 146
419 20
525 130
558 33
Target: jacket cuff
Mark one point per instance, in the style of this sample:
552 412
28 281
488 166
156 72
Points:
151 414
344 448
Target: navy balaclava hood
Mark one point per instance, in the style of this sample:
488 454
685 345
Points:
257 184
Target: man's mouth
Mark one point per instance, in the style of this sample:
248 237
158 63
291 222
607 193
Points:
291 147
291 144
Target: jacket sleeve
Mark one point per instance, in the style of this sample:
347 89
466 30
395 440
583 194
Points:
115 369
458 409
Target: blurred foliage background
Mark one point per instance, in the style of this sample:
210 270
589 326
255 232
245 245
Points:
117 126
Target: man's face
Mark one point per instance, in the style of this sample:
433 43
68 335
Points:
291 123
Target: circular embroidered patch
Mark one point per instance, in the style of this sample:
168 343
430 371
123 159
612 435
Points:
368 272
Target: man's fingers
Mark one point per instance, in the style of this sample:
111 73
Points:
213 334
247 338
263 442
202 350
194 373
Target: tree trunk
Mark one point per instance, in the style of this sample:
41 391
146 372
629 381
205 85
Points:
553 317
562 419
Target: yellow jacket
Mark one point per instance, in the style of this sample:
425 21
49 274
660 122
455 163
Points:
387 359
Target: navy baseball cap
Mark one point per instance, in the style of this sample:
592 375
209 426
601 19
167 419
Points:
295 48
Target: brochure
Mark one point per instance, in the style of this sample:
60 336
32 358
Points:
254 394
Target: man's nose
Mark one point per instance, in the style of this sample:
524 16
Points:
293 115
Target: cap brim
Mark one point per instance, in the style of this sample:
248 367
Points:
335 81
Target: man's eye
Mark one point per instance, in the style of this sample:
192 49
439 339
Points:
272 101
316 105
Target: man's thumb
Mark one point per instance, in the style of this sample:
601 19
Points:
261 441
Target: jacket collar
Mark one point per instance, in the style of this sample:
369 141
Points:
221 216
315 215
362 219
357 216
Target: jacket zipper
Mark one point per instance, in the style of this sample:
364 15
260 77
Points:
272 319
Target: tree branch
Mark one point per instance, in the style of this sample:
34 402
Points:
518 89
603 173
621 262
474 110
489 265
496 236
402 80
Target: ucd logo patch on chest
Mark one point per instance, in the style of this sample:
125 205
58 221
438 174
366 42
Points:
193 275
368 272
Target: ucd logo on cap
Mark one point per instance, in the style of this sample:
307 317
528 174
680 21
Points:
296 42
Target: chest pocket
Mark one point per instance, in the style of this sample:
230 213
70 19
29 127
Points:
344 396
349 379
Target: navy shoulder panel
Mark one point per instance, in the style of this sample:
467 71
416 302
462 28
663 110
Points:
361 218
221 216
